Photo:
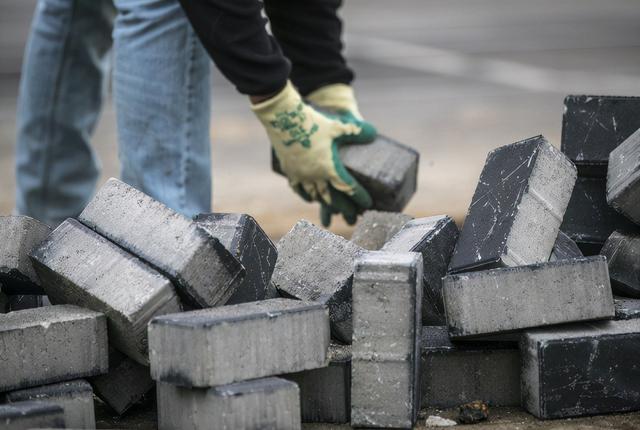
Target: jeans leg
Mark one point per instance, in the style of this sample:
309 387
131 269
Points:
61 91
162 96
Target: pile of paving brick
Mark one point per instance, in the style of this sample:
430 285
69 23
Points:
235 332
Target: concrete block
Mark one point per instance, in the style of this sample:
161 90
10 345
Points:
29 415
205 273
623 178
565 248
623 257
272 337
589 220
581 369
51 344
454 374
593 126
74 397
386 168
433 237
269 403
248 243
375 228
385 360
325 393
126 383
18 236
515 298
317 265
79 267
22 302
522 194
626 308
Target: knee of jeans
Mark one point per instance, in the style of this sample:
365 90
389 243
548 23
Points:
138 16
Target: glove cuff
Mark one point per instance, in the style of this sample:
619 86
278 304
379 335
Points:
336 97
286 100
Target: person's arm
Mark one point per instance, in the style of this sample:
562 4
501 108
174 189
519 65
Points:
233 33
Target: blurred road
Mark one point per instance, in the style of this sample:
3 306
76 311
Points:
452 78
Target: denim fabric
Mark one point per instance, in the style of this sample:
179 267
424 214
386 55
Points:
162 98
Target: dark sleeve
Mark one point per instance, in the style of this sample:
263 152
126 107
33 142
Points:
310 35
234 34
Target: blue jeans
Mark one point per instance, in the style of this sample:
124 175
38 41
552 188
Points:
162 100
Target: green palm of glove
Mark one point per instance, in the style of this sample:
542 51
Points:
306 142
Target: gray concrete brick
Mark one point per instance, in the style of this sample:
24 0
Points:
375 228
565 248
386 168
581 369
317 265
75 398
589 220
18 236
593 126
433 237
29 415
626 308
623 257
522 193
515 298
79 267
325 393
22 302
51 344
246 241
454 374
205 273
270 337
623 178
386 345
269 403
126 383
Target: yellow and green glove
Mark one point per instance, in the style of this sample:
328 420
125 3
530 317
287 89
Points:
306 142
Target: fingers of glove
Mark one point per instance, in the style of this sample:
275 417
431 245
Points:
301 192
343 204
322 188
310 189
349 186
325 214
363 132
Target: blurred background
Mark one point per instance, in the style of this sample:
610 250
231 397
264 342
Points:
452 78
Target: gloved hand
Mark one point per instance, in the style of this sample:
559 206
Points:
306 143
340 99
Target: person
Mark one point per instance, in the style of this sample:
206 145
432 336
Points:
161 97
161 90
288 75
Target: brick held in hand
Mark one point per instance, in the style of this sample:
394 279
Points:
623 178
269 403
271 337
386 345
51 344
433 237
375 228
456 373
388 170
581 369
74 397
78 266
204 272
18 236
241 235
316 265
593 126
507 299
517 208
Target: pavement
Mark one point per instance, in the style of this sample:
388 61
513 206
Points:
452 78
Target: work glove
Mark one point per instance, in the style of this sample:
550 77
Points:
306 142
339 99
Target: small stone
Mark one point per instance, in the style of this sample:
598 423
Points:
474 412
522 194
246 241
204 272
30 415
375 228
18 236
437 421
269 403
